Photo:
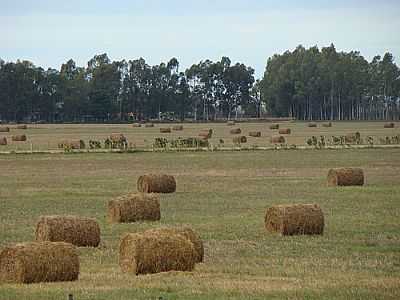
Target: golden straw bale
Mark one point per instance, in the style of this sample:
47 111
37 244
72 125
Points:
136 125
165 130
22 126
278 139
148 125
117 137
4 129
231 123
206 133
177 128
255 133
274 126
312 124
3 141
389 125
345 177
284 131
329 124
236 131
239 139
19 138
156 183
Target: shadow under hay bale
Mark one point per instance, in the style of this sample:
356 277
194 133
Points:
285 131
278 139
79 231
230 123
39 262
134 207
236 131
23 126
312 124
148 125
239 139
255 133
189 234
274 126
4 129
388 125
345 177
295 219
327 124
156 183
19 138
165 130
154 252
206 133
177 128
3 141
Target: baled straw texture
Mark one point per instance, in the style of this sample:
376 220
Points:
19 138
255 133
312 124
389 125
70 144
3 141
79 231
274 126
148 125
165 130
295 219
236 131
278 139
206 133
117 137
231 123
136 125
177 128
345 177
284 131
240 139
39 262
23 126
327 124
4 129
143 253
134 207
156 183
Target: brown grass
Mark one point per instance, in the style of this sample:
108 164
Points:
156 183
345 177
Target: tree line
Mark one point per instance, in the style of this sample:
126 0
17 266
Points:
306 84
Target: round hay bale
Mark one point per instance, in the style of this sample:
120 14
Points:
388 125
274 126
231 123
165 130
39 262
4 129
312 124
18 138
117 138
3 141
295 219
22 126
255 133
77 144
154 252
156 183
148 125
345 177
285 131
177 128
79 231
136 125
278 139
239 139
327 124
236 131
134 207
206 133
189 234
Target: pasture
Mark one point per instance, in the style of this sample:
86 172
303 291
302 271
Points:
223 197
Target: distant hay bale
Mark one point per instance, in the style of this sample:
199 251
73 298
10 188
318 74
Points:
389 125
4 129
236 131
77 144
154 252
39 262
255 133
136 125
327 124
284 131
278 139
239 139
312 124
295 219
206 133
156 183
148 125
165 130
22 126
79 231
117 138
19 138
3 141
345 177
274 126
177 128
134 207
231 123
189 234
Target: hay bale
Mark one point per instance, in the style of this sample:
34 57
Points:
284 131
274 126
19 138
3 141
236 131
327 124
177 128
239 139
79 231
345 177
278 139
117 138
312 124
255 133
156 183
189 234
295 219
148 125
39 262
165 130
388 125
154 252
136 125
22 126
134 207
77 144
4 129
231 123
206 133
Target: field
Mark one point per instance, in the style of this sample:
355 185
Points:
222 196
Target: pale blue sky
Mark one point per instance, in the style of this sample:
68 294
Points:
49 32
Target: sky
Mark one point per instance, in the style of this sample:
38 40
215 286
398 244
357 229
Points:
50 32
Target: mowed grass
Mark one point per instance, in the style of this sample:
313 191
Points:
48 136
223 196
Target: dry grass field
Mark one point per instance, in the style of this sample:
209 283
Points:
223 197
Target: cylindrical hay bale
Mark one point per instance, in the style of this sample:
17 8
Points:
148 125
345 177
22 126
230 123
327 124
177 128
236 131
3 141
39 262
312 124
255 133
19 138
274 126
240 139
278 139
165 130
389 125
156 183
79 231
295 219
143 253
206 133
136 125
285 131
117 137
4 129
189 234
134 207
72 144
